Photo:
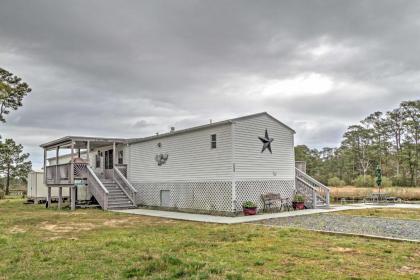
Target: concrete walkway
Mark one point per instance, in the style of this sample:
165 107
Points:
246 219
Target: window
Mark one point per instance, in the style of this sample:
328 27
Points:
120 157
97 161
213 141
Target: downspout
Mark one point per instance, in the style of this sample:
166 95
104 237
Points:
233 207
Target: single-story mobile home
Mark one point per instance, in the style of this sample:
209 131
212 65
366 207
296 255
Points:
212 168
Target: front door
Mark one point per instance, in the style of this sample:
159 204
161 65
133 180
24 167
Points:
109 163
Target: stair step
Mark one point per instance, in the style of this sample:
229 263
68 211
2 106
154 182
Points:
119 200
120 207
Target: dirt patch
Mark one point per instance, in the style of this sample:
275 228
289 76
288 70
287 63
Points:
68 227
343 250
409 270
17 229
118 222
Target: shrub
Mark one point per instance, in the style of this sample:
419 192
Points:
386 182
1 194
364 181
336 182
400 181
298 198
248 204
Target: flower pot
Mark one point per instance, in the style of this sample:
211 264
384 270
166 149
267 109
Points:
250 211
298 205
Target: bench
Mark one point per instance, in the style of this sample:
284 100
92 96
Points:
269 199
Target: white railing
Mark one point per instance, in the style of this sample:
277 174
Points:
125 185
122 168
59 174
96 188
318 190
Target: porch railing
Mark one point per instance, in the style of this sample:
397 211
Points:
122 168
59 174
124 184
97 189
316 191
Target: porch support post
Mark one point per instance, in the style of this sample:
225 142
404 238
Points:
72 164
56 164
88 151
114 151
45 166
60 197
73 198
49 197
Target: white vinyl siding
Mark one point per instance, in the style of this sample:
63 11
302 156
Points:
250 163
190 157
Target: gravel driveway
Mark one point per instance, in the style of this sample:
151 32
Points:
403 229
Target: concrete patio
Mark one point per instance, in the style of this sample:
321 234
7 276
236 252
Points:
260 217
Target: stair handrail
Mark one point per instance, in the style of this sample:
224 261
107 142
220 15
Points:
313 180
118 175
316 184
100 193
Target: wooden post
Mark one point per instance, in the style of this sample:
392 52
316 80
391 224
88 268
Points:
56 164
73 197
45 166
60 197
49 197
88 152
314 199
72 164
114 151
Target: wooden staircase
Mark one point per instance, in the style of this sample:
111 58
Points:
117 198
316 194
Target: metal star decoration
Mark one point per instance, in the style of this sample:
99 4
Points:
266 142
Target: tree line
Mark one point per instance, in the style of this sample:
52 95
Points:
14 163
388 139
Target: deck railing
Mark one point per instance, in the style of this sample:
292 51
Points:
59 174
124 184
316 190
122 168
96 187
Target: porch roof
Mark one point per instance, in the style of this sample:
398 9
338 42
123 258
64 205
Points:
94 141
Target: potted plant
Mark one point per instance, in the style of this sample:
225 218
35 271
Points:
298 202
249 208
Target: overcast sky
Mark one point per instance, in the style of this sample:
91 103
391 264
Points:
132 68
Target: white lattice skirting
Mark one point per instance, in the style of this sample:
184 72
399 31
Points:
210 195
252 190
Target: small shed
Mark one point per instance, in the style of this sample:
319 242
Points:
37 191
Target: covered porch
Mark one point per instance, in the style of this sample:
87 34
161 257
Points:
73 161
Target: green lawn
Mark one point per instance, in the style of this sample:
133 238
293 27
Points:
394 213
39 243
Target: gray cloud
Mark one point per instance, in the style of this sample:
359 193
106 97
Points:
133 68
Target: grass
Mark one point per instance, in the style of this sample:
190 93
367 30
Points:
395 213
39 243
359 193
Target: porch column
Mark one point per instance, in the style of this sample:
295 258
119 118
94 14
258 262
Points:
60 197
45 166
114 152
88 152
49 197
73 197
72 164
56 164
